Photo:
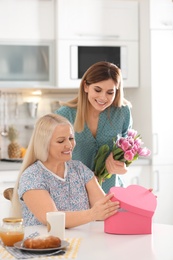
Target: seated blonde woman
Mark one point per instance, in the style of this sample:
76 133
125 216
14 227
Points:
49 180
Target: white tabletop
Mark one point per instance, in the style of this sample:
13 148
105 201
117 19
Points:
96 244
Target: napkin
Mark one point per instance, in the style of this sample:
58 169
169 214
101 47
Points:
68 253
18 254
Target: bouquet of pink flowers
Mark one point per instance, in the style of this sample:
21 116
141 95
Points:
126 149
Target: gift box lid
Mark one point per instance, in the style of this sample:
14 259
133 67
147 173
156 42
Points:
136 199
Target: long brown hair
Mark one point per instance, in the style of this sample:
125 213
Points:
99 71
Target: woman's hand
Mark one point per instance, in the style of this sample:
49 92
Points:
104 208
115 167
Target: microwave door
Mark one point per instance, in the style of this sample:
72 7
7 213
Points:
123 62
74 62
82 57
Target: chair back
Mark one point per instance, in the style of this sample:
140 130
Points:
8 193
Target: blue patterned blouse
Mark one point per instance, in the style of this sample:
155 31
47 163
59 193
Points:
69 194
112 121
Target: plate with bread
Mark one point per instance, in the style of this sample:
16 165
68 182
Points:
41 244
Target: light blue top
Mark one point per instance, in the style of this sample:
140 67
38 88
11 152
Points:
69 194
112 121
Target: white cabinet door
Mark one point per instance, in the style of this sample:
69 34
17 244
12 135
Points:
162 83
27 20
161 14
7 180
140 175
93 19
163 189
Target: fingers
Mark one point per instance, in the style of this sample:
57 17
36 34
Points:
108 197
111 208
111 205
115 162
105 208
119 163
114 166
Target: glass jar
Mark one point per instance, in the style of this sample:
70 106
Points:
12 231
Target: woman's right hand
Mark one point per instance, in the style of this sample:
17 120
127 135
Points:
114 166
104 208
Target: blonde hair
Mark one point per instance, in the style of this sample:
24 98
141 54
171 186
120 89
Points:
99 71
38 149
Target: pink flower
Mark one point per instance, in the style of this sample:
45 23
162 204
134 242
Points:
132 133
123 144
126 149
144 151
138 142
134 150
129 155
129 148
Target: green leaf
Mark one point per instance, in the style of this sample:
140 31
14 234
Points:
119 157
128 163
99 163
116 150
118 154
104 148
107 176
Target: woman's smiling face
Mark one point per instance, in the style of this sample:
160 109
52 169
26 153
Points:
101 94
62 143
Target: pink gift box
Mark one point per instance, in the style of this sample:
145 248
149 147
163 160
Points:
135 215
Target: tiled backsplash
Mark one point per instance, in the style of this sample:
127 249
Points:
17 114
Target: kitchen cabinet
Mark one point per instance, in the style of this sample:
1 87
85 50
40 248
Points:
162 157
7 180
138 174
161 14
162 83
26 64
27 20
28 34
162 179
82 27
92 19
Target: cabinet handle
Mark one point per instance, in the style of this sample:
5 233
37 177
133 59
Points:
167 24
99 36
135 180
156 181
155 144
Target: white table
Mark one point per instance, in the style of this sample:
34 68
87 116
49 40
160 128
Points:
96 244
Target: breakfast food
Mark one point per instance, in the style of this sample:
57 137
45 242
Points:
42 242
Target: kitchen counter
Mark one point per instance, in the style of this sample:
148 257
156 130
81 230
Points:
95 244
10 166
141 162
5 166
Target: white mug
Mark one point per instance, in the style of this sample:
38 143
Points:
56 224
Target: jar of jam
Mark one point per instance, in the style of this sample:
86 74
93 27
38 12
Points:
11 231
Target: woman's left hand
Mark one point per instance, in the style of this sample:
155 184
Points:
114 166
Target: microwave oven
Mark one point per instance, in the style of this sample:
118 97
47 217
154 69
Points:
74 57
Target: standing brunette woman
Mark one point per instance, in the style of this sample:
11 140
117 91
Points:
99 113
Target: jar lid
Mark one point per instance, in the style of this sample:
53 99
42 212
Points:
12 220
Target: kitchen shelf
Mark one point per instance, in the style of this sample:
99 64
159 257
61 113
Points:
44 90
